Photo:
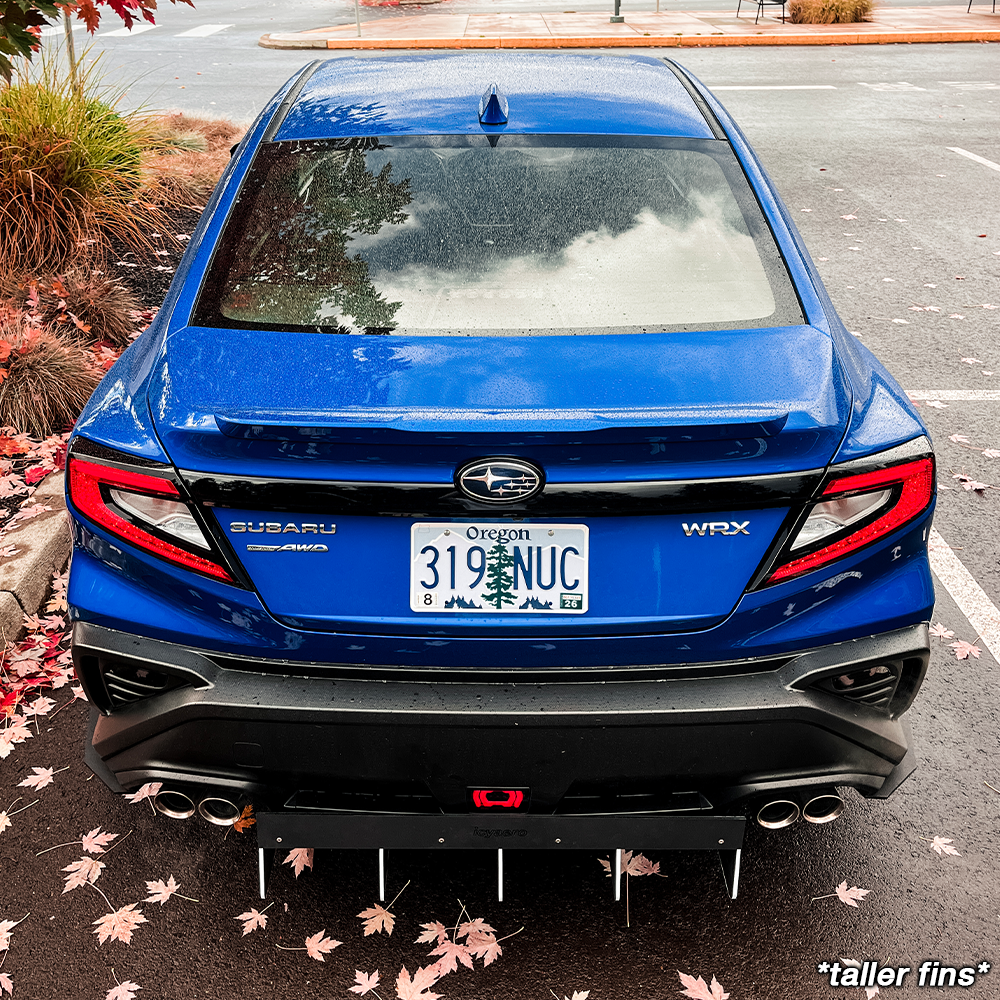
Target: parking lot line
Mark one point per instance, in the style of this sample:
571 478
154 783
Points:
954 395
203 31
796 86
971 599
978 159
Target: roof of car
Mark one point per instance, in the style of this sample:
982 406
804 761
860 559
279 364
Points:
439 94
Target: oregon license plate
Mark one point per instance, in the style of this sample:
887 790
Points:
490 568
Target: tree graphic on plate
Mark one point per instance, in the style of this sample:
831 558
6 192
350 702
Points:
499 577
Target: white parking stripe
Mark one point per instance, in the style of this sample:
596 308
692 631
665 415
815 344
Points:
203 30
982 613
957 395
136 29
978 159
805 86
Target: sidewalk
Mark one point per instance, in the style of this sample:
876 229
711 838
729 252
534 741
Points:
644 29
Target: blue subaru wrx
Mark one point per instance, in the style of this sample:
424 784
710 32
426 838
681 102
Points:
498 467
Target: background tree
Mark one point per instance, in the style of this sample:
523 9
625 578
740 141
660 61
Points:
21 21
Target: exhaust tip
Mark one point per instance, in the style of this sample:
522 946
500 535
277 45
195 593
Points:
174 804
778 814
823 807
218 811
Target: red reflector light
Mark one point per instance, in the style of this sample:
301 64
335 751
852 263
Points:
489 798
915 481
85 482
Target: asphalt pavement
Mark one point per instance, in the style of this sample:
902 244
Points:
890 164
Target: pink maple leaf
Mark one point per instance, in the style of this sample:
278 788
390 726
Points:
991 452
486 947
41 778
5 822
118 926
852 895
377 918
6 926
95 841
299 858
940 632
6 984
942 845
365 983
251 920
319 945
477 926
40 706
963 650
698 989
415 988
453 952
434 931
124 991
148 791
160 891
84 870
958 438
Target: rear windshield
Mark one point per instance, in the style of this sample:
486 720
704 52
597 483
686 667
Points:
498 235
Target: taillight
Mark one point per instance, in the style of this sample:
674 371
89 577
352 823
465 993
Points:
856 511
142 509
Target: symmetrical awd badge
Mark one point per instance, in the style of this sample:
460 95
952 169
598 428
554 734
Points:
499 480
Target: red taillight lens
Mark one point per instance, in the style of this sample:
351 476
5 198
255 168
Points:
912 485
90 483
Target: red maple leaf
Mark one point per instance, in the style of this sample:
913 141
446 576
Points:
318 945
299 858
962 649
95 841
118 926
84 870
252 920
377 918
414 989
698 989
160 891
245 821
852 895
365 983
434 931
123 991
453 953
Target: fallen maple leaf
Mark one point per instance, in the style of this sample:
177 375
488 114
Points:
118 926
95 841
942 845
958 438
434 931
245 821
318 945
637 865
6 984
5 822
991 452
124 991
377 918
578 995
852 895
365 982
963 650
453 952
41 778
941 632
299 858
414 989
252 919
161 891
148 791
84 870
698 989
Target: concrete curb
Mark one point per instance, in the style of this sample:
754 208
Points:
309 40
43 545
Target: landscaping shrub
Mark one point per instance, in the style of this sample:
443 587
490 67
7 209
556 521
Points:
46 379
71 174
830 11
190 155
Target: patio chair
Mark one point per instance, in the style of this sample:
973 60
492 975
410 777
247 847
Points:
969 8
761 3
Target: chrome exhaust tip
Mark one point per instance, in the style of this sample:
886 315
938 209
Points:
822 806
219 811
778 814
174 804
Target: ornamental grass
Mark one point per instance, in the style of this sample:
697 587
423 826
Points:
830 11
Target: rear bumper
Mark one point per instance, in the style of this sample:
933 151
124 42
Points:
630 741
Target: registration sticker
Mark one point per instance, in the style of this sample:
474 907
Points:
499 568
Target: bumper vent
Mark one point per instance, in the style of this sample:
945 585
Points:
888 687
127 682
